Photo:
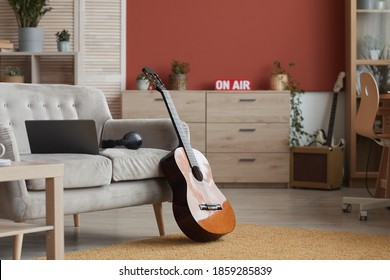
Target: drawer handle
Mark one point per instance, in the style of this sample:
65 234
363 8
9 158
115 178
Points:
158 99
247 159
247 99
247 129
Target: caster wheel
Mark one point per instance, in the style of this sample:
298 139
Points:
363 216
347 208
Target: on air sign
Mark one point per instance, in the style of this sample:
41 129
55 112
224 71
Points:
233 84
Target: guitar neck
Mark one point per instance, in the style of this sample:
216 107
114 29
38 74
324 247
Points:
180 132
332 120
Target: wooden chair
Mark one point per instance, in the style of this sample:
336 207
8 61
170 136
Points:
364 125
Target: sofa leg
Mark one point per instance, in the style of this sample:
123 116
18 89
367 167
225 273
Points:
76 220
159 218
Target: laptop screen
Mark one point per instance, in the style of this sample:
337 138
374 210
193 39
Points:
62 136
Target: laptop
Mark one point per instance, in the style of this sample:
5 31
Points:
62 136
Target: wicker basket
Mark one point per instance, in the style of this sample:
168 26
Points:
13 79
278 82
178 82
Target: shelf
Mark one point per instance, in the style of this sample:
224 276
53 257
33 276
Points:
43 67
373 11
10 228
365 31
372 62
37 53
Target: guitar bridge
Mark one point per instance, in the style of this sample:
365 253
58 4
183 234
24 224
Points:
210 207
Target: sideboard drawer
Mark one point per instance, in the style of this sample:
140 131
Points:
247 137
248 107
191 105
249 167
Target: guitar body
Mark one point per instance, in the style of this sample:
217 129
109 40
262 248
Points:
200 209
321 140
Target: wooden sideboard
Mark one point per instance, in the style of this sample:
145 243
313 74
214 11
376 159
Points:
244 135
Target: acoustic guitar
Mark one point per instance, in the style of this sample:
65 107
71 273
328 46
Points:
200 209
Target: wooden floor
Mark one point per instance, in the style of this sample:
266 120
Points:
317 209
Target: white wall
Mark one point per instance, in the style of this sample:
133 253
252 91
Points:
316 109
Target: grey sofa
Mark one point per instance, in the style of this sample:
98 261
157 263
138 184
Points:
116 178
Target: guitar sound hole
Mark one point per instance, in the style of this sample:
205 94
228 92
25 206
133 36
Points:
197 173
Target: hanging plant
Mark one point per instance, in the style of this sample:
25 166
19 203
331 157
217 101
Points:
297 132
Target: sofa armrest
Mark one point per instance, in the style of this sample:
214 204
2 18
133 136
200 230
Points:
155 133
7 138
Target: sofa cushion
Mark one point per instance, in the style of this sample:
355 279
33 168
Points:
81 170
135 164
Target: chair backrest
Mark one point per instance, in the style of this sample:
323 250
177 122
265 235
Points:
368 108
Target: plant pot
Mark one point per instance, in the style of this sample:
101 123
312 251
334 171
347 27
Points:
142 84
13 79
63 46
178 82
278 82
375 54
31 39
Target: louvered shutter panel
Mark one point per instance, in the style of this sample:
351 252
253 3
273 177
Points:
103 49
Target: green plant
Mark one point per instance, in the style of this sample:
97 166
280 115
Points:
372 43
297 132
63 35
278 69
178 67
13 71
29 12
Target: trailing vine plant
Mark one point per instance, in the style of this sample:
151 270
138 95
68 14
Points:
297 132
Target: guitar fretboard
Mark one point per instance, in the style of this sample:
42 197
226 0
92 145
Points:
332 120
180 130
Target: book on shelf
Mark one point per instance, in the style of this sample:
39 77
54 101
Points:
6 44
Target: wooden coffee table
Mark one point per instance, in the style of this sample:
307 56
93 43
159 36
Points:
54 227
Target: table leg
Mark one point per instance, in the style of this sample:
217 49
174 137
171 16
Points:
55 217
18 243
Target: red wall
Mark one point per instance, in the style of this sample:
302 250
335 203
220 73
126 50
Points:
237 39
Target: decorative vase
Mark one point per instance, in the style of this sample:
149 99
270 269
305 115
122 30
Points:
178 81
142 84
366 4
63 46
375 54
31 39
13 79
278 82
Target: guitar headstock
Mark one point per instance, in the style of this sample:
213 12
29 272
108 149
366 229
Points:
339 83
154 78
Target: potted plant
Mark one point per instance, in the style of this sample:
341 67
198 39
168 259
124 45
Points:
374 46
13 75
63 40
279 77
142 82
178 77
28 14
297 132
